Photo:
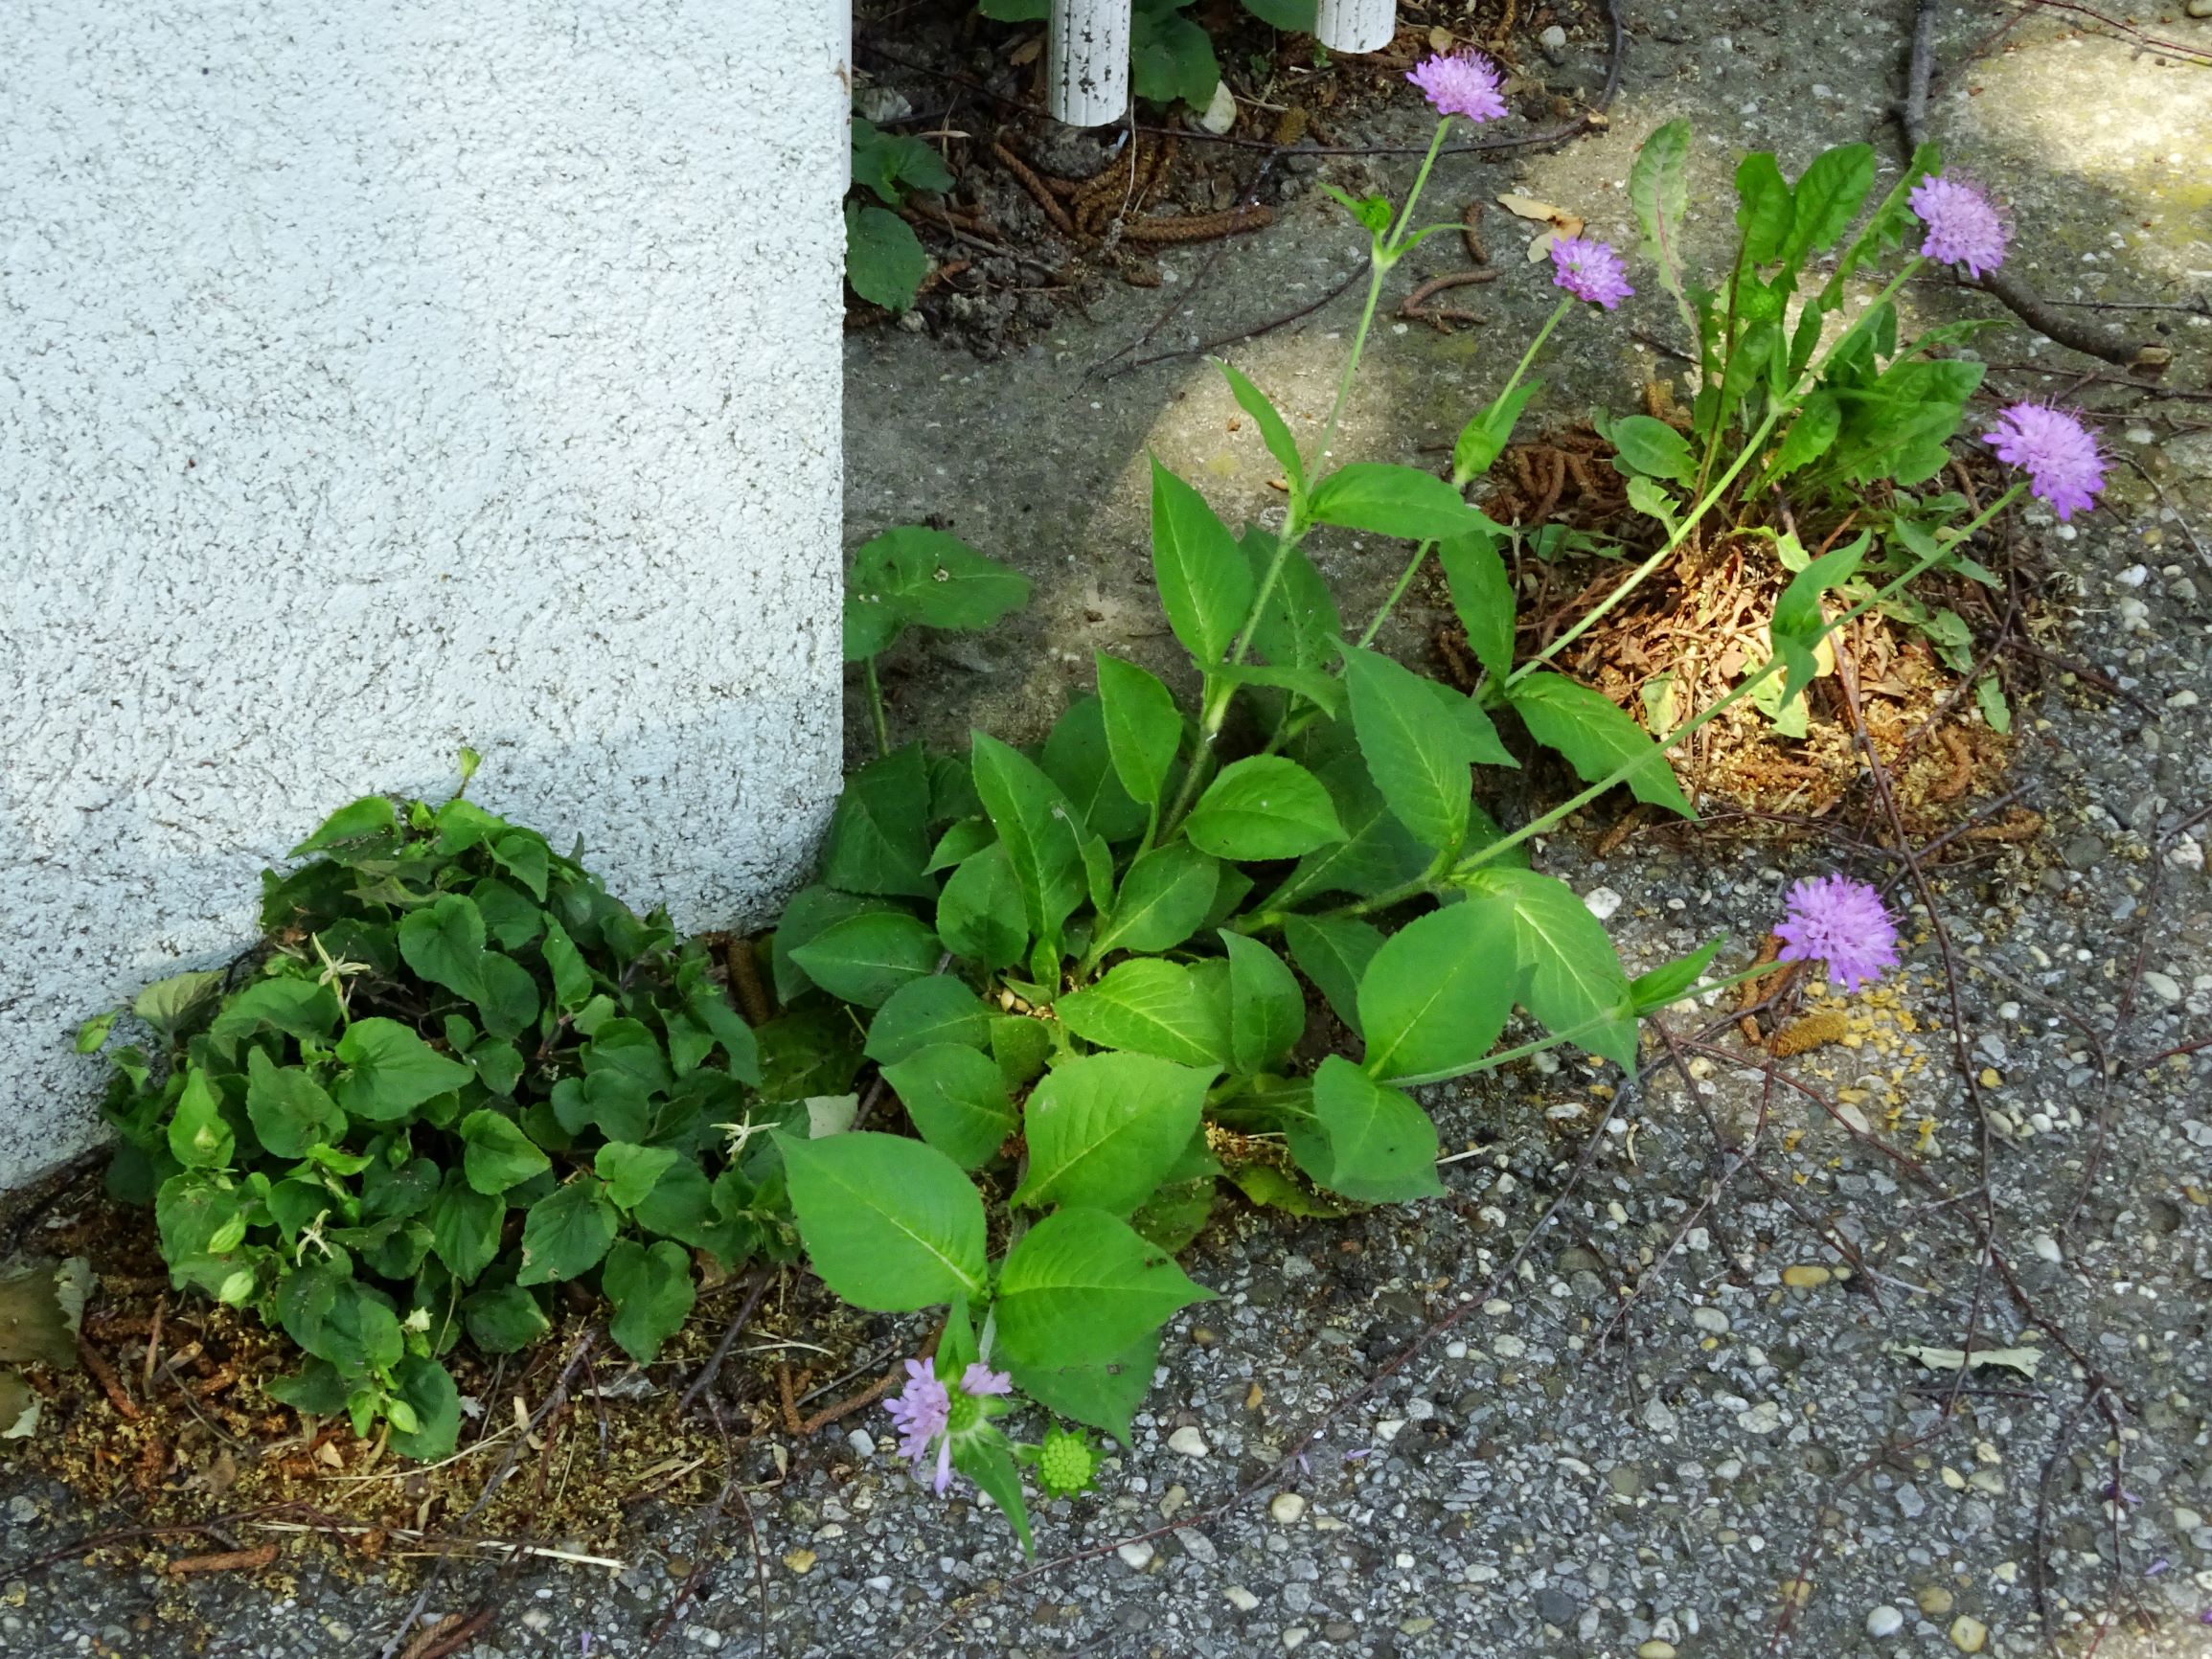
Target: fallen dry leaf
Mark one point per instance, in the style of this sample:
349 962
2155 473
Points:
2023 1360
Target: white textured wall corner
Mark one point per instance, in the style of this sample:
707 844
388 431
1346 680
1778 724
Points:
382 377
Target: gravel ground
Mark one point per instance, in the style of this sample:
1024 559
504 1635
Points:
1747 1455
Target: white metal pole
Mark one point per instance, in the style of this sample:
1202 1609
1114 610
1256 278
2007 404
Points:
1088 60
1355 25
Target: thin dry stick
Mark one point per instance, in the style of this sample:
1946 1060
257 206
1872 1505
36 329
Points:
713 1369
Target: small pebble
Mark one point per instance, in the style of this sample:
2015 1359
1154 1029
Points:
862 1443
1241 1599
1934 1601
1287 1508
801 1561
1884 1622
1968 1633
1138 1555
1294 1638
2198 8
1188 1442
2047 1247
1655 1649
1710 1320
1806 1278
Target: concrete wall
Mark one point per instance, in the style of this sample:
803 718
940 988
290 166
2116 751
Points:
381 377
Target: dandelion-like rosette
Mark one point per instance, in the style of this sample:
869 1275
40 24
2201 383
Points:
1589 270
1963 228
1462 83
1841 922
2057 452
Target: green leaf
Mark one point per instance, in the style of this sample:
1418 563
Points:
741 1048
863 959
1798 621
523 854
883 258
1274 431
390 1071
1374 212
1482 594
1205 584
1291 16
498 1154
878 838
985 1456
1483 439
925 1012
506 995
1659 193
1141 728
1082 1288
1299 624
957 1098
890 1224
1104 1129
1381 1145
299 1008
1266 1009
1418 761
1038 827
1810 435
631 1171
1164 897
566 1232
961 842
465 1227
1653 448
1315 686
1401 501
364 820
1020 1045
1263 807
1334 952
1148 1004
1175 1214
1596 737
1764 210
924 576
170 1005
443 942
890 164
505 1319
1671 981
1436 994
198 1137
316 1388
571 977
428 1390
1077 758
980 915
1264 1184
1104 1393
1171 57
651 1288
1574 982
289 1110
1827 199
1990 697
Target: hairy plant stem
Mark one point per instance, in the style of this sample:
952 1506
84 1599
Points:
876 707
1782 406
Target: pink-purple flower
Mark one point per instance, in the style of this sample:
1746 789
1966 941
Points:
2057 453
1589 270
924 1411
1463 84
1963 228
1842 923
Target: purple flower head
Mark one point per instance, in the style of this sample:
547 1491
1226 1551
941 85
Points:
2057 451
924 1411
1464 84
1589 270
1842 923
1963 228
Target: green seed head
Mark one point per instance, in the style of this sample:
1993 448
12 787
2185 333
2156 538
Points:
1066 1464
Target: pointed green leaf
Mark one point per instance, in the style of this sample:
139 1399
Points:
957 1097
936 1010
1437 993
1574 981
1266 1009
1401 501
1274 431
890 1224
1482 594
1164 897
1764 210
1081 1289
1148 1004
1143 728
1104 1129
981 915
389 1071
878 837
651 1289
1038 829
1381 1145
1076 756
1334 952
497 1154
1596 737
1105 1393
566 1232
1421 764
289 1110
1205 585
865 958
1263 807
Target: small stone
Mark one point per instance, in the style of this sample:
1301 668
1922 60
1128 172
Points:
2046 1246
1765 1418
1241 1599
1600 901
1420 1625
1139 1555
862 1443
1934 1601
1287 1508
2162 986
1197 1546
1172 1501
2198 8
1968 1633
1554 43
1884 1622
1555 1607
801 1561
1188 1442
1294 1638
1655 1649
1806 1278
